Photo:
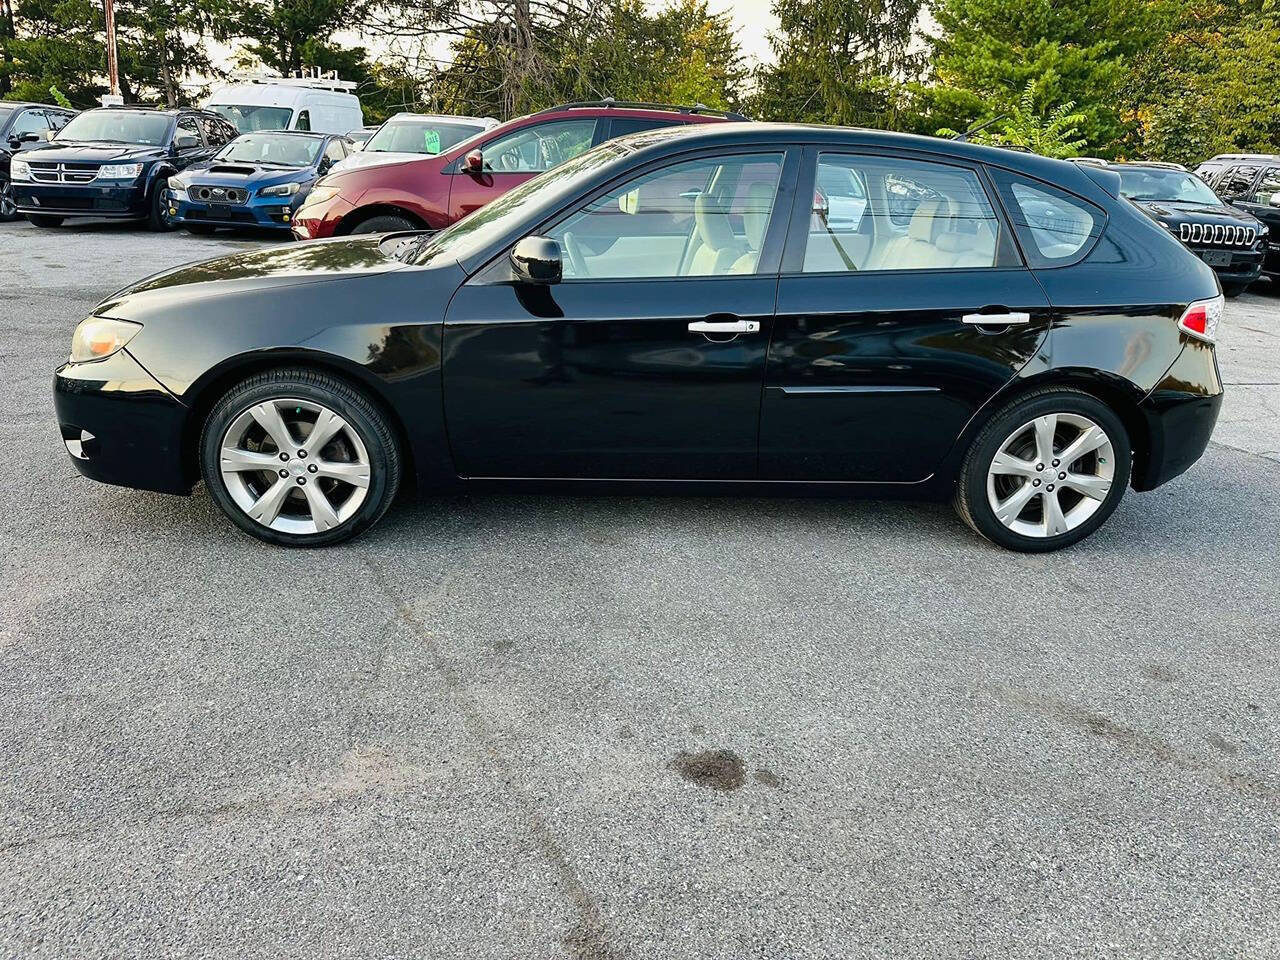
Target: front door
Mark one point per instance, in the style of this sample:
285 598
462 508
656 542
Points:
903 307
647 359
511 159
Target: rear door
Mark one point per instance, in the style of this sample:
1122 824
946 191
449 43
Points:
515 156
1262 200
647 359
903 307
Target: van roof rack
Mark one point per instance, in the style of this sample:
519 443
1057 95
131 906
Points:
314 80
642 105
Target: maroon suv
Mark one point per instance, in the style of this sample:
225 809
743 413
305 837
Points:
435 191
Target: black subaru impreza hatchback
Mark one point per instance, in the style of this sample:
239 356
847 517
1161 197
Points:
745 306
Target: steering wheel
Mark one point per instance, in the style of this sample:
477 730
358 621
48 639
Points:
574 252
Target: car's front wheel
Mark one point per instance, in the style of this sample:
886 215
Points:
159 218
1232 290
1045 472
8 212
299 458
385 223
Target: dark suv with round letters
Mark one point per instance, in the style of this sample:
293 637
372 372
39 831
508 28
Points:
742 306
114 163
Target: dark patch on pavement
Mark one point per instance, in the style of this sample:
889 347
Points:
1222 745
769 778
716 769
1158 671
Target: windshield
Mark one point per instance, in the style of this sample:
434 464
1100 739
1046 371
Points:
4 113
279 148
1169 186
419 136
118 126
476 229
248 119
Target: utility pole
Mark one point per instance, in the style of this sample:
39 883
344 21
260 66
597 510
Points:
113 63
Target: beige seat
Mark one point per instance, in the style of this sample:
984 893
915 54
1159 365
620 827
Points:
755 220
918 249
976 249
715 249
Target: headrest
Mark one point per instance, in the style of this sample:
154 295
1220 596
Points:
924 222
713 226
755 215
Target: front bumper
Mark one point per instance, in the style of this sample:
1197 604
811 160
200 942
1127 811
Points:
119 201
317 221
1241 266
268 214
1180 414
120 425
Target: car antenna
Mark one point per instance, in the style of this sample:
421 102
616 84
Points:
964 137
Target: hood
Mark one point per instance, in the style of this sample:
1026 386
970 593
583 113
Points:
236 174
93 151
226 277
377 158
1173 211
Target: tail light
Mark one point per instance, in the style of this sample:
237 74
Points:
1200 319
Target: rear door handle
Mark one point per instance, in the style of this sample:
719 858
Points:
725 326
996 319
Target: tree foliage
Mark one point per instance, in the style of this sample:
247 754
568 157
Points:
1030 125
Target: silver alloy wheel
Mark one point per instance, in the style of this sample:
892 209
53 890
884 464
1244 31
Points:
294 466
1051 475
7 207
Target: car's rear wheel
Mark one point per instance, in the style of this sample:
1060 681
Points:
299 458
384 223
1045 472
44 220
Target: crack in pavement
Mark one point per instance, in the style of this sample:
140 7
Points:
589 939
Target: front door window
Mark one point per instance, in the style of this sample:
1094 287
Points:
700 218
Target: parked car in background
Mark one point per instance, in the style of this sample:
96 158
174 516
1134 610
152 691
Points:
360 135
289 103
1239 164
435 191
1251 182
114 163
1230 240
411 136
24 126
732 304
256 180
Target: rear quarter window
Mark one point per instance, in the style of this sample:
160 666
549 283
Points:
1054 228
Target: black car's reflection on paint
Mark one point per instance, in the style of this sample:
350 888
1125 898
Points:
491 353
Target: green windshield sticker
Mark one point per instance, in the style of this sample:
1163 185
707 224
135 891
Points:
433 141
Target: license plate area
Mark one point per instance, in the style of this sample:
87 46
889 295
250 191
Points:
1217 258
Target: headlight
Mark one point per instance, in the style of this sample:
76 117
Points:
321 194
177 189
1263 230
119 171
97 338
279 190
19 170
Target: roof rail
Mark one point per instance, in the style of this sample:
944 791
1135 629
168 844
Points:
642 105
314 80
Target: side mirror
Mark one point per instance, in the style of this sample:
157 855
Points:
324 166
31 137
473 162
537 260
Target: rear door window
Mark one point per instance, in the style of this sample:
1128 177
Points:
1236 182
1054 227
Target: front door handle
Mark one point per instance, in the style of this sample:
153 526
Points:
996 319
725 326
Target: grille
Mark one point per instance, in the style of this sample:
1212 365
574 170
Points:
1216 235
219 194
46 172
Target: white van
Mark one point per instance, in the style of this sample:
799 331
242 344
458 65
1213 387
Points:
289 103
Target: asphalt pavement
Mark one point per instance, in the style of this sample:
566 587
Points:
604 728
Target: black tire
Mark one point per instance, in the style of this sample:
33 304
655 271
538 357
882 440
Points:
1233 290
971 500
384 223
44 220
158 218
359 412
199 229
8 212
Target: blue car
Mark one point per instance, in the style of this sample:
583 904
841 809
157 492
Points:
256 180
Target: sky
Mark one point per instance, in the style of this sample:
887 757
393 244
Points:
752 20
